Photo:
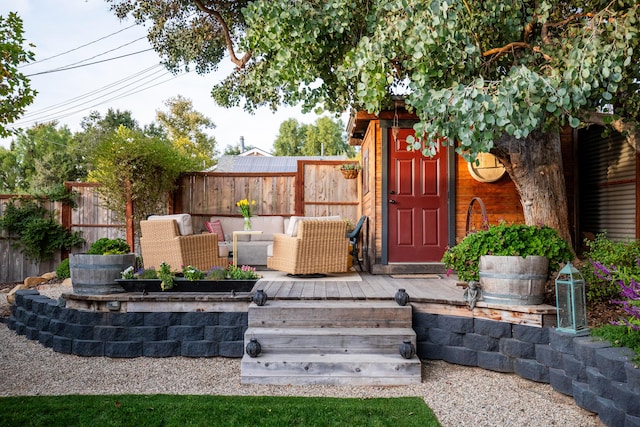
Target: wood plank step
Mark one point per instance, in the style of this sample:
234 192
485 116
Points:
330 313
330 340
334 369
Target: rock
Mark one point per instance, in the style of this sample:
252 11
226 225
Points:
50 276
32 282
11 297
67 282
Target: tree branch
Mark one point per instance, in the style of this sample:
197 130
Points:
240 62
629 129
544 34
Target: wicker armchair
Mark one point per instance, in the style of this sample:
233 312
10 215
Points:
161 242
318 247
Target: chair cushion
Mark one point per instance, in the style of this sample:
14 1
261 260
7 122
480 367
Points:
269 225
215 227
184 222
292 229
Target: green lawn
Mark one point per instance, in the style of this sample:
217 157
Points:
228 411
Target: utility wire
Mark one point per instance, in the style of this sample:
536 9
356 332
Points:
91 63
76 48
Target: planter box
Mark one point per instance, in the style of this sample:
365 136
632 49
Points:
182 285
94 274
513 280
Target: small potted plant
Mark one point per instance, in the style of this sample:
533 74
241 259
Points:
512 262
350 170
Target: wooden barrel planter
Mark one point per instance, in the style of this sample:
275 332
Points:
511 280
96 274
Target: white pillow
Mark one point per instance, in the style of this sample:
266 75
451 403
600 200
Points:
184 222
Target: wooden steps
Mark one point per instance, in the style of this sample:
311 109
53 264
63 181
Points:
330 342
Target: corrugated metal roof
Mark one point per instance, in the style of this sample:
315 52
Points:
265 164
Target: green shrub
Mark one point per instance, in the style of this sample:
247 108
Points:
507 240
106 246
621 255
62 270
38 235
620 336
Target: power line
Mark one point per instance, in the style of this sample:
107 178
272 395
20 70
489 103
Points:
77 48
86 65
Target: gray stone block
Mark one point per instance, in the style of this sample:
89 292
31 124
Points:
185 333
31 333
443 337
517 349
223 333
531 370
631 421
531 334
199 318
161 319
428 351
612 360
585 349
599 384
62 344
561 341
21 328
422 334
83 347
585 397
30 319
231 348
548 356
479 342
52 310
110 333
574 368
495 361
165 348
45 338
632 372
90 317
78 331
56 327
609 414
42 322
19 314
456 324
560 382
233 319
11 323
201 348
123 349
626 399
425 320
147 333
460 355
124 319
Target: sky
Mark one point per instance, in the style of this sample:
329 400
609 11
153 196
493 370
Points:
76 33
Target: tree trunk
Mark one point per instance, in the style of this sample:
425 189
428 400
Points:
535 166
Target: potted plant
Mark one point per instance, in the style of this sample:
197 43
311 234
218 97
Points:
190 279
95 272
350 170
512 262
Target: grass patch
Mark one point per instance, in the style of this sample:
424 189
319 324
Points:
198 410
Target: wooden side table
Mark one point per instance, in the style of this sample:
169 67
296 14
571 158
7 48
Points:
235 242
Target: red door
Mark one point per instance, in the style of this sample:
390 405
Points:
417 198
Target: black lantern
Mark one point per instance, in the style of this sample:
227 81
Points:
260 297
401 297
254 348
407 349
571 301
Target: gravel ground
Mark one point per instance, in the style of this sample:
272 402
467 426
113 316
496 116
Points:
459 395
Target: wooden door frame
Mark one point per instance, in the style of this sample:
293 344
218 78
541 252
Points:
385 125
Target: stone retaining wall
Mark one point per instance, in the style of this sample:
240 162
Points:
599 377
90 333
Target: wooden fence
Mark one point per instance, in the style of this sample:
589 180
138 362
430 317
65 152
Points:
316 189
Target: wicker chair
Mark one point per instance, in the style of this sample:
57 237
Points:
318 247
161 242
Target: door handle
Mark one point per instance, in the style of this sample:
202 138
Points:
393 202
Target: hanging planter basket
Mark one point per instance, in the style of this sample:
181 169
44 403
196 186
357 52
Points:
349 173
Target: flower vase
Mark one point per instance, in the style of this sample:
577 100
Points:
247 223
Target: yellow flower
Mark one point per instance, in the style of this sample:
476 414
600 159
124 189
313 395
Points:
245 207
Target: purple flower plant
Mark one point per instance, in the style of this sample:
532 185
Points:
629 292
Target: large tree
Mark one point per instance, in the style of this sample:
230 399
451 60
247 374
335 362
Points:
15 90
326 136
481 76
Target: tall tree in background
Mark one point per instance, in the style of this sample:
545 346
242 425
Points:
481 76
326 136
15 90
186 128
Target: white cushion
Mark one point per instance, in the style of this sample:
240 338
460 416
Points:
223 249
184 222
292 229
